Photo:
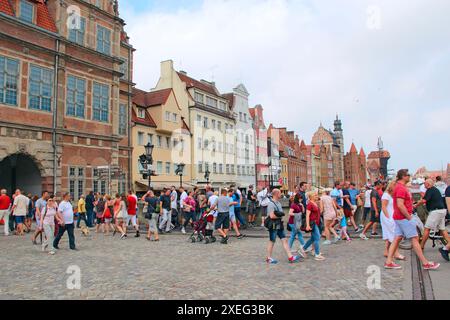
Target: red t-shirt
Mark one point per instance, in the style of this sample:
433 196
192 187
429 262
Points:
315 213
131 205
401 192
5 201
297 209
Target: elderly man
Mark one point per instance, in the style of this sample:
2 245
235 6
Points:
436 217
20 209
5 205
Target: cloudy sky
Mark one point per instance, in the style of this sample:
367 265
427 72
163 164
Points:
382 65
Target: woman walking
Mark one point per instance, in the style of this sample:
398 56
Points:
313 225
100 209
295 222
107 214
121 215
116 205
151 215
387 220
329 209
47 220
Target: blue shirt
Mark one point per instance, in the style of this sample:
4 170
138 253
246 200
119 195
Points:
237 199
336 194
231 207
353 194
343 222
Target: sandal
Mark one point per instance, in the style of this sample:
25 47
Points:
400 258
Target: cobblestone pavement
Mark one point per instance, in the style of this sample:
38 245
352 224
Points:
175 269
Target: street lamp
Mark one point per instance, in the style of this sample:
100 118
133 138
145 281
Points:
207 174
179 172
147 160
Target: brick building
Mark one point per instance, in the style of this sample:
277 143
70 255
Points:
355 169
65 96
262 160
295 152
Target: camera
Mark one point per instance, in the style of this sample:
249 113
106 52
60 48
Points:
279 214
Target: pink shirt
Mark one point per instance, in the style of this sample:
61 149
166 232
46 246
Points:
50 216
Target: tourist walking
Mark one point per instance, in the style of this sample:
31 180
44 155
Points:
121 216
313 225
263 201
20 209
367 206
222 224
329 210
5 206
405 227
276 228
349 199
387 220
30 213
65 219
296 211
233 220
166 221
174 207
251 207
40 205
99 209
151 215
188 206
47 224
108 214
90 199
375 198
82 212
132 213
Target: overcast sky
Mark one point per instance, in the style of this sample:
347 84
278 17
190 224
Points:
382 65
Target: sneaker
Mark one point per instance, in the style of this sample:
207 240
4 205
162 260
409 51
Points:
307 250
301 253
361 226
392 266
241 236
444 254
137 234
271 261
183 230
52 253
336 240
358 230
294 259
374 234
123 236
363 236
431 266
326 243
319 257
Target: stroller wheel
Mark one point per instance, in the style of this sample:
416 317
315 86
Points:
207 241
192 238
200 237
213 239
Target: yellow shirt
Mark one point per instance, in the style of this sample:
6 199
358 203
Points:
81 206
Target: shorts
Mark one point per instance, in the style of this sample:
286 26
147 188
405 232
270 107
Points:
99 220
373 217
406 229
264 211
223 221
189 215
19 219
251 207
436 220
366 213
152 225
348 213
274 233
132 219
108 220
232 217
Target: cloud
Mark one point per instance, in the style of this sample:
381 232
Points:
381 65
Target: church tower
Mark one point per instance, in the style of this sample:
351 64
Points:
339 135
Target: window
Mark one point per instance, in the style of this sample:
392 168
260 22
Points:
220 147
206 144
98 3
26 11
141 113
100 102
9 77
200 143
140 138
220 168
238 169
226 127
227 169
168 144
149 138
76 93
210 102
232 169
168 165
223 106
205 122
41 88
77 32
103 187
199 120
159 167
159 141
240 116
103 40
213 124
200 167
214 167
245 117
124 70
199 97
167 116
123 120
219 125
174 117
76 182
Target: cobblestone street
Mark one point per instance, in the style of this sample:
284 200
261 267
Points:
176 269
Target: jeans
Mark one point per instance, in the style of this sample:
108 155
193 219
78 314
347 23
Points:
237 213
315 238
4 214
90 217
188 216
49 236
62 229
166 220
294 234
82 216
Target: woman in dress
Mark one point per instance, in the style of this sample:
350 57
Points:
107 214
387 220
329 209
121 215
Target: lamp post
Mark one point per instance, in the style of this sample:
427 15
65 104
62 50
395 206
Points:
147 160
207 174
179 171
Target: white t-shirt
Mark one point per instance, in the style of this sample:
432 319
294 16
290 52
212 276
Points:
367 203
239 193
212 201
263 198
21 202
66 209
173 204
183 196
423 189
390 206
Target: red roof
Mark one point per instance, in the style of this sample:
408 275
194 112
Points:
148 121
6 7
379 154
184 126
252 112
362 153
353 149
230 98
149 99
43 18
192 83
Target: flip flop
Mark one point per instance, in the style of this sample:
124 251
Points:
400 258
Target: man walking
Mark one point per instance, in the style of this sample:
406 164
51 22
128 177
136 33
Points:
165 211
174 206
5 205
375 210
82 212
132 212
263 200
237 198
65 218
405 227
90 199
20 209
40 205
223 217
251 206
349 208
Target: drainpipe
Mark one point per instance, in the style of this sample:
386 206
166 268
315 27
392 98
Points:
55 112
130 153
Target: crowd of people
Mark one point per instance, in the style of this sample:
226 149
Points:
323 213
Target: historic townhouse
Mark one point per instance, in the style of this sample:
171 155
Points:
273 153
245 137
157 119
212 124
262 159
296 157
65 96
355 166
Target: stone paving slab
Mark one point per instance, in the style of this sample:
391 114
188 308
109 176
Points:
176 269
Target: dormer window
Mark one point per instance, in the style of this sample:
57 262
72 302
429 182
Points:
141 113
26 11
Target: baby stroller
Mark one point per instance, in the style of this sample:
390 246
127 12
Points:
209 216
203 229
